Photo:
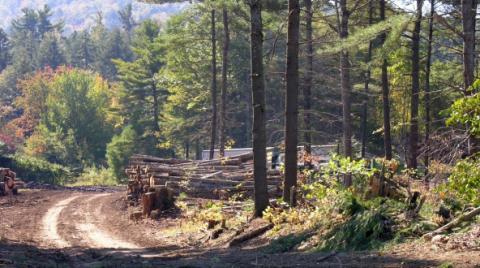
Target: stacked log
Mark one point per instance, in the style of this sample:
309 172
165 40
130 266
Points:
213 179
8 183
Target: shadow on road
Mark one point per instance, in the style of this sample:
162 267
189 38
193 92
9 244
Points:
14 254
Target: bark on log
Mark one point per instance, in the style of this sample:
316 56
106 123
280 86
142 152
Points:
249 235
213 175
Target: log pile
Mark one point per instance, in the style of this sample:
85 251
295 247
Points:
214 179
8 183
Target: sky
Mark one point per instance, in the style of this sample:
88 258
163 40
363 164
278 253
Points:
80 14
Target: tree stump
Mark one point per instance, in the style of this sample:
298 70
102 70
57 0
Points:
163 198
148 201
136 215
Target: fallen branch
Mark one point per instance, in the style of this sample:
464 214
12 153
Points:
464 217
252 234
331 254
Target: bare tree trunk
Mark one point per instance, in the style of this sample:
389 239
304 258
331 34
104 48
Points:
214 88
156 113
198 151
187 149
259 135
346 88
291 99
413 137
427 84
469 11
223 106
249 122
307 90
387 139
367 85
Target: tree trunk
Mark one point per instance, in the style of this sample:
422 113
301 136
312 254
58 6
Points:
187 149
346 88
214 88
367 85
387 140
413 137
223 106
469 11
307 90
427 84
156 113
198 150
291 99
258 100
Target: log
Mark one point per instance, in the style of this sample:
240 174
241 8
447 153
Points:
149 159
225 168
213 175
249 235
462 218
158 181
163 170
244 157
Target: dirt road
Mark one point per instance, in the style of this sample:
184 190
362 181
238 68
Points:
80 224
43 228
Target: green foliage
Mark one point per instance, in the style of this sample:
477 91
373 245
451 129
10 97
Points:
93 176
52 146
360 39
332 176
34 169
50 51
365 230
464 182
71 112
466 111
286 243
141 96
119 150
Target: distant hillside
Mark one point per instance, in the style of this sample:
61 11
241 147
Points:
80 14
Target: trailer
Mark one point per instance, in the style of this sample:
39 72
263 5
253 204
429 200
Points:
275 157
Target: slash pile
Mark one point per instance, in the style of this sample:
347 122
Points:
213 179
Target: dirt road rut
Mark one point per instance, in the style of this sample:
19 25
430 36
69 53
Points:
76 221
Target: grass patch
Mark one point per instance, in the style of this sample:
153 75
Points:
95 177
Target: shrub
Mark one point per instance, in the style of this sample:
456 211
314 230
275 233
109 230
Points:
466 111
34 169
54 147
119 150
93 176
365 230
464 182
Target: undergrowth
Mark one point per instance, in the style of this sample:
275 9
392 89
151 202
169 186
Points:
332 217
38 170
95 177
